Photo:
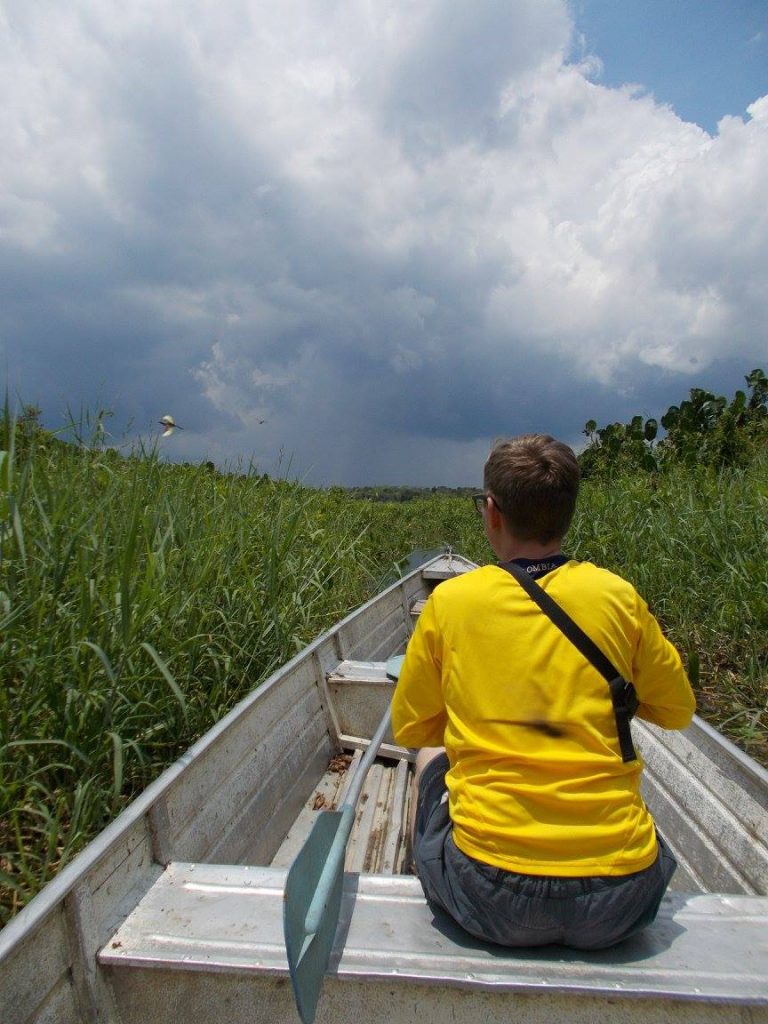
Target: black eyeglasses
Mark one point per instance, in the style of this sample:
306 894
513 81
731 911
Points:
479 500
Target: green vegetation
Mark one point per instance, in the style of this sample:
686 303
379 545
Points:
394 493
705 429
140 601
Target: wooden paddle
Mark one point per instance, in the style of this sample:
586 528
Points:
312 898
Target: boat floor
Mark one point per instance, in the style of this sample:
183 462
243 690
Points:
378 843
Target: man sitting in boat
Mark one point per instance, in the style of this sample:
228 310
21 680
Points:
528 824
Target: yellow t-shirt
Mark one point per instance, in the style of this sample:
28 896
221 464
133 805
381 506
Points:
536 783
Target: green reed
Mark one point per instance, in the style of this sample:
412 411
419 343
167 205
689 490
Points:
138 603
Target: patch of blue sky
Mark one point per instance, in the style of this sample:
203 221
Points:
704 58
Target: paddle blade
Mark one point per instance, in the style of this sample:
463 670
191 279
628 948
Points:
394 666
309 953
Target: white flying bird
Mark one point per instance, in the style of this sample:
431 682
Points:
170 425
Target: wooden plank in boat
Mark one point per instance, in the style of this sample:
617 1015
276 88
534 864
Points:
390 750
363 848
377 843
395 853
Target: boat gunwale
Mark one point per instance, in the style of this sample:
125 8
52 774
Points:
753 768
51 896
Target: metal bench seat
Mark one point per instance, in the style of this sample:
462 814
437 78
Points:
222 926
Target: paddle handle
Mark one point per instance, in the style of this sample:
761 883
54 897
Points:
353 794
330 873
336 854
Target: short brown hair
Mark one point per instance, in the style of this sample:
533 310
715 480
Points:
535 482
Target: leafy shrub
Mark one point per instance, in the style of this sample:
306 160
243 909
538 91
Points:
705 429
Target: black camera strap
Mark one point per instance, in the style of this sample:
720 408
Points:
623 694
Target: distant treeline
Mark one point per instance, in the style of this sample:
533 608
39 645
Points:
393 493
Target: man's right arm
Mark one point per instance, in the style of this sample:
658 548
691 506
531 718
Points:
418 710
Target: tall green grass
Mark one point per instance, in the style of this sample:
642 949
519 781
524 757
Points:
140 601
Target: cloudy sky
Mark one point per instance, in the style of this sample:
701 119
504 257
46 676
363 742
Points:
368 237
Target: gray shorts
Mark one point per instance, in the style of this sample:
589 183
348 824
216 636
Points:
527 910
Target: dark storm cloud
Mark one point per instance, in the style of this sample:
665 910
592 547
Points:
370 238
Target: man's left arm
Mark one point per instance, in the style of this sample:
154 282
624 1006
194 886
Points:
665 694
